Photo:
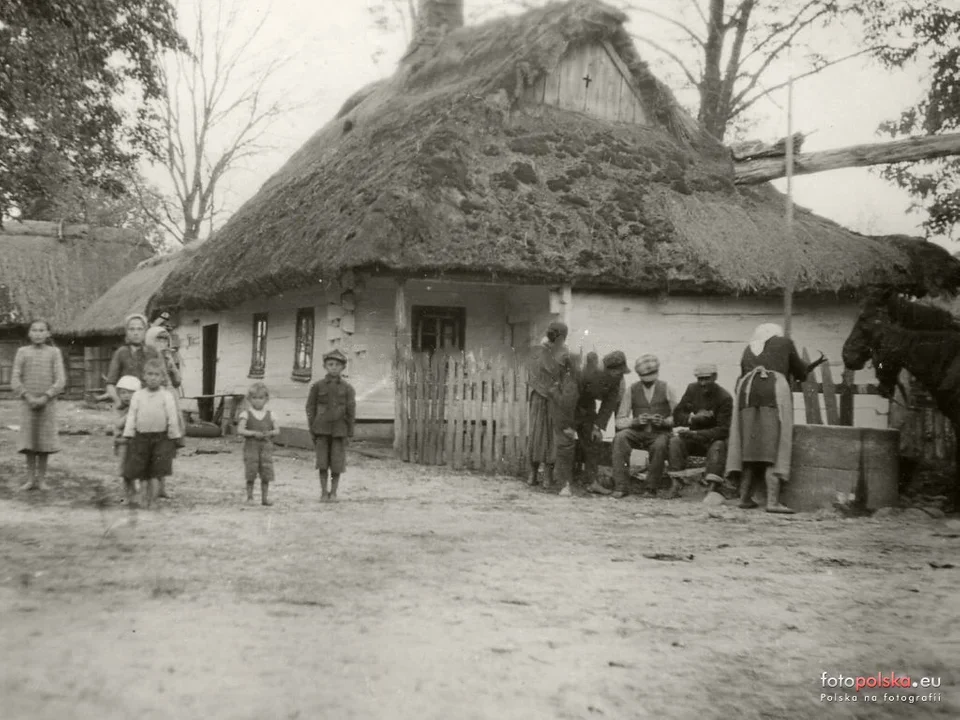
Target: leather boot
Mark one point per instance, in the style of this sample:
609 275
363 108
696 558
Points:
675 486
746 489
773 495
334 483
249 492
533 478
324 492
264 491
162 493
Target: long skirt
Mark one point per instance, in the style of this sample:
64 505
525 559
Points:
760 434
38 429
541 446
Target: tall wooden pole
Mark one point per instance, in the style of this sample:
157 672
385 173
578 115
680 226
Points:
791 271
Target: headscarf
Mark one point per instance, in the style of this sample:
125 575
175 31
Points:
135 316
762 334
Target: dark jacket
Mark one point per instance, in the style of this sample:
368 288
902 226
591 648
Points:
564 396
696 398
332 407
603 385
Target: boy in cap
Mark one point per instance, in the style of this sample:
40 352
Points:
607 386
702 426
331 415
643 422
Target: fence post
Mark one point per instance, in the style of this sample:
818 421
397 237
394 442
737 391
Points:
846 398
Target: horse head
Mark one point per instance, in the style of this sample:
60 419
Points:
865 336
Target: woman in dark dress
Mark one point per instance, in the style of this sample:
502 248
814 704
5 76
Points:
544 374
761 434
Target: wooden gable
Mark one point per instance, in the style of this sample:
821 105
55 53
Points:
592 79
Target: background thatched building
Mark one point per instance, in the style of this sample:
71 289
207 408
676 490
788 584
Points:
509 173
51 271
99 329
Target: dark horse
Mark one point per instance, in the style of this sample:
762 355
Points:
896 334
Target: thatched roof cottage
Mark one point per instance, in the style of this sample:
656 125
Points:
508 173
100 327
51 271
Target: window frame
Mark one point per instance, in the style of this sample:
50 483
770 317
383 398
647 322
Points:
303 373
258 370
419 312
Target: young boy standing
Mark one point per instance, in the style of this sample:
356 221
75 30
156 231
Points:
152 428
331 414
258 429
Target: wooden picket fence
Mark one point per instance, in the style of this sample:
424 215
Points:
469 413
462 412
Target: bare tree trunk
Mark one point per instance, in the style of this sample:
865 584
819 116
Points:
761 170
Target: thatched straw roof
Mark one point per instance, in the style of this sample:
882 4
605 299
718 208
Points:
131 294
440 169
49 271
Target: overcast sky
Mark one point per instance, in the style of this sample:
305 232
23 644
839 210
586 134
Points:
334 43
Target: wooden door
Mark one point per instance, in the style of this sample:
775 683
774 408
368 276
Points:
211 336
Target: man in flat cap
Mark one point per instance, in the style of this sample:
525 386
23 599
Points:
644 422
701 427
605 384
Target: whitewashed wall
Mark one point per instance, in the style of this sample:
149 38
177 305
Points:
683 332
369 346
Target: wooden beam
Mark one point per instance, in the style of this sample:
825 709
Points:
761 170
401 353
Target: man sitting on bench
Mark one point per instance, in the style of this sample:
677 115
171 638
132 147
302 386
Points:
701 427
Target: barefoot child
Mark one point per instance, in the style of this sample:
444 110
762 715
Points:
126 387
38 377
258 429
152 429
331 413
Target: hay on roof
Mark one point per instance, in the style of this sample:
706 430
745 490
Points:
131 294
49 270
443 171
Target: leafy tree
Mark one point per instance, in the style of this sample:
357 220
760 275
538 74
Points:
65 65
925 34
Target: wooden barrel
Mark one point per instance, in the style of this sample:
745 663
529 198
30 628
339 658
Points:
828 461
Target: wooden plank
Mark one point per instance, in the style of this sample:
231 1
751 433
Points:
811 399
846 398
449 410
829 395
459 411
523 405
432 388
476 448
442 450
624 73
422 372
400 351
504 433
490 438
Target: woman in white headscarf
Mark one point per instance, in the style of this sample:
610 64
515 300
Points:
761 434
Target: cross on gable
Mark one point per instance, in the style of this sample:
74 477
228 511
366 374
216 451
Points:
587 80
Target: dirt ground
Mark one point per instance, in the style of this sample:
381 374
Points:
425 593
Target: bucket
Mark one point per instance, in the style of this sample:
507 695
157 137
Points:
827 463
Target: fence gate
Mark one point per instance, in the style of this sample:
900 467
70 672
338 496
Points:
463 412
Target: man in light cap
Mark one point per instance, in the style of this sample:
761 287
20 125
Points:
644 421
701 427
606 385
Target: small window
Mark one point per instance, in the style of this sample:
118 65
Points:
303 346
258 355
438 328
